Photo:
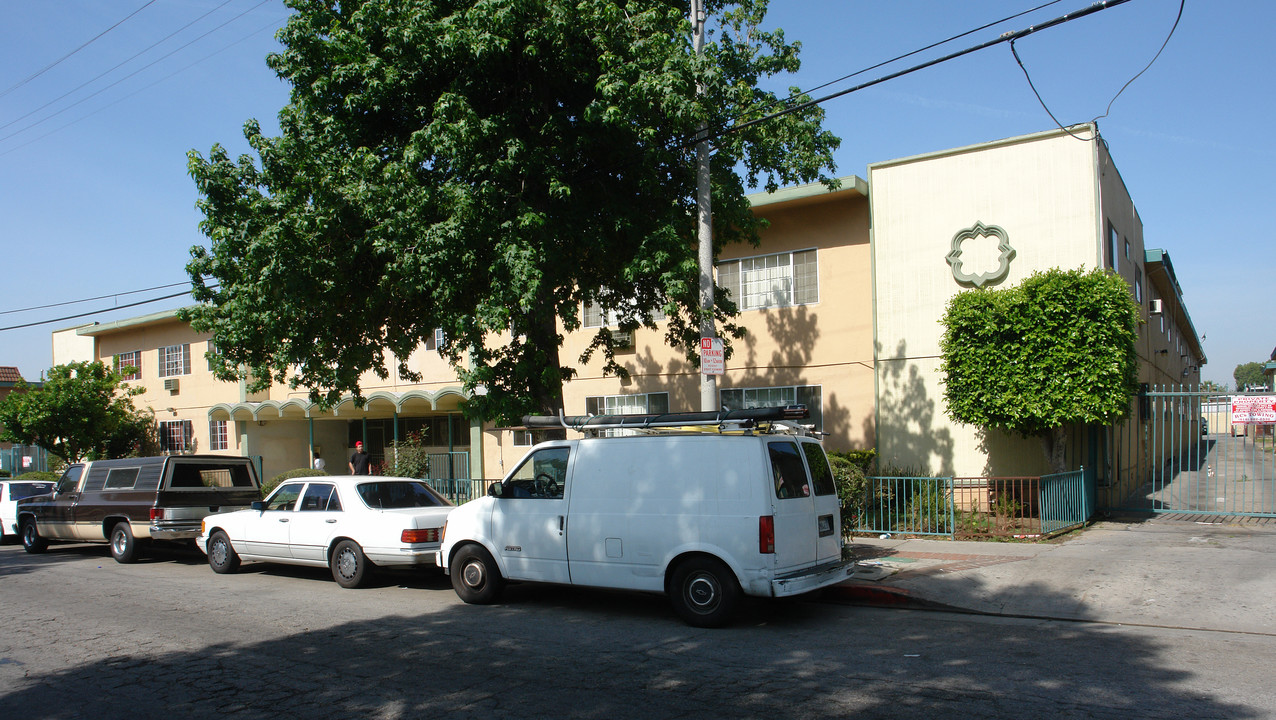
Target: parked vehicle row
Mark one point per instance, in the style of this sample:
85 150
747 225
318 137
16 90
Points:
749 508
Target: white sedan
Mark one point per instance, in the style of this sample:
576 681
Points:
349 524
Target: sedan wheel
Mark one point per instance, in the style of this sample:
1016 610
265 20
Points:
350 567
222 557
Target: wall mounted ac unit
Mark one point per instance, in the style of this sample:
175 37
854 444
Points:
170 384
623 340
1154 306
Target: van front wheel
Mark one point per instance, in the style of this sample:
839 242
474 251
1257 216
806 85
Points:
704 592
475 577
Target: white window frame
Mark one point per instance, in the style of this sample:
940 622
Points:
132 358
218 435
775 280
523 438
752 397
592 316
635 404
436 340
175 360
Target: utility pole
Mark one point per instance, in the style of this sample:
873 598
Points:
704 225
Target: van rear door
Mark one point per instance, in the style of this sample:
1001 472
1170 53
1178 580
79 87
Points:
797 531
827 506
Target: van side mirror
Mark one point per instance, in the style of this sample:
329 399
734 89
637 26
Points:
496 490
258 505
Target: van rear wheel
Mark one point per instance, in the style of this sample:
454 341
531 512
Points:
475 577
123 544
32 541
704 592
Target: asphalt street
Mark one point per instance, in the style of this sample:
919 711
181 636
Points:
87 638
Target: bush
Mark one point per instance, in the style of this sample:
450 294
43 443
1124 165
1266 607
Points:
39 476
849 473
268 486
411 458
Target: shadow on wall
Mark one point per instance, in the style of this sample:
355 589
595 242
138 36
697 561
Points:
906 412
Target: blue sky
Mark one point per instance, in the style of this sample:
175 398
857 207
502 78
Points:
95 200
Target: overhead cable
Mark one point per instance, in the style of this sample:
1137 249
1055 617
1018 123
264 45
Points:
55 63
1005 37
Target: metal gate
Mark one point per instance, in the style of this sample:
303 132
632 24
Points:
1184 452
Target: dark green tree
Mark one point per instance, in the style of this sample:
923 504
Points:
1057 349
484 167
82 411
1248 374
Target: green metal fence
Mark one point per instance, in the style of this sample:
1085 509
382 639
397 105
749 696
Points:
973 507
460 491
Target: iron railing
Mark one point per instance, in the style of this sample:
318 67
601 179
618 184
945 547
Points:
970 507
460 491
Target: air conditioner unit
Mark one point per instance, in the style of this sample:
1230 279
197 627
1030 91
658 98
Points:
170 384
1154 306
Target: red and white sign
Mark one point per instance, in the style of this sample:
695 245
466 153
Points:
1254 409
712 360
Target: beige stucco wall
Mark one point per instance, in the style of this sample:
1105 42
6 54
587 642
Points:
1042 191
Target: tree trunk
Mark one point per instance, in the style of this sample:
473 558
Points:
545 380
1053 442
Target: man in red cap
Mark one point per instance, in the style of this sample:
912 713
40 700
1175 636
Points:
359 464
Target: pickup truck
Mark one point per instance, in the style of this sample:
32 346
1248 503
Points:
131 502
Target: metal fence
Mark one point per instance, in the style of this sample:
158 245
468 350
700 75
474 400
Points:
972 507
449 466
20 459
1180 452
461 491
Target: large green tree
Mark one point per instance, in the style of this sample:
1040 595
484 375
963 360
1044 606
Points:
1057 349
485 167
1249 374
82 410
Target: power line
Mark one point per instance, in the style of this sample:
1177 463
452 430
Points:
104 73
142 89
98 312
897 58
55 63
99 297
1005 37
135 72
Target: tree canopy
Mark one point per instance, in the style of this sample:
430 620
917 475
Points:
1249 374
486 167
1057 349
82 410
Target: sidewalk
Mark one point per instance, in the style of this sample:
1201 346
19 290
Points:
1149 571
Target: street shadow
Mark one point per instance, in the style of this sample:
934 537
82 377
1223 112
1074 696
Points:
549 651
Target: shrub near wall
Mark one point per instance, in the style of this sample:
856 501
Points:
850 471
270 485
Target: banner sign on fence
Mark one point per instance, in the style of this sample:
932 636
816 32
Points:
1254 409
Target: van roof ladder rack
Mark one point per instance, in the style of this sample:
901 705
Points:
765 419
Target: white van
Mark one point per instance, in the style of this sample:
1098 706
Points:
748 507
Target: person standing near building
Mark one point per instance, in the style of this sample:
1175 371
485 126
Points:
319 463
359 461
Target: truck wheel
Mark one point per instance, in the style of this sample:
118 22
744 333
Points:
350 567
704 592
475 577
222 557
31 540
123 544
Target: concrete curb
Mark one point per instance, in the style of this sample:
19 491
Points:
883 596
